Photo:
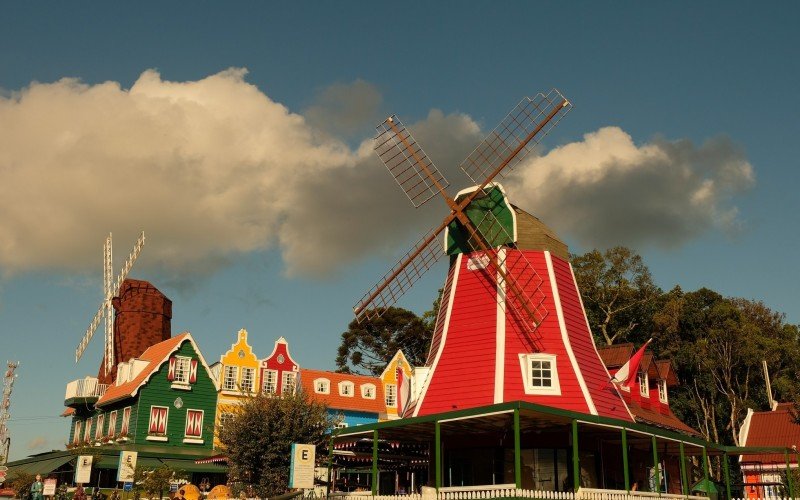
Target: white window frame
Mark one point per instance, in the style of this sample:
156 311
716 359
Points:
192 439
230 378
158 437
248 380
112 424
341 425
270 378
391 395
526 361
644 384
347 388
322 386
224 417
368 387
183 366
98 430
288 382
662 391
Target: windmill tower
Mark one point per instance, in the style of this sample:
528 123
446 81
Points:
511 325
5 409
111 288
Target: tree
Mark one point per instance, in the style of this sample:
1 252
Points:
618 293
21 484
155 482
258 438
368 346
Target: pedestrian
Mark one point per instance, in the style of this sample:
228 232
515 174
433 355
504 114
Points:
80 493
37 488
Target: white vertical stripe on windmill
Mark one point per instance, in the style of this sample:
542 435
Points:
565 336
448 314
500 334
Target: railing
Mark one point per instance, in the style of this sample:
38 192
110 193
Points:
468 493
598 494
85 388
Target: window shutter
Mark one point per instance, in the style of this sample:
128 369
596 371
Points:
171 370
154 413
193 372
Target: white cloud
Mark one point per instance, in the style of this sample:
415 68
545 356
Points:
214 168
37 443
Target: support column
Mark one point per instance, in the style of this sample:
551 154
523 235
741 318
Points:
625 466
789 482
437 452
684 477
705 466
656 468
517 451
330 464
374 462
727 473
576 467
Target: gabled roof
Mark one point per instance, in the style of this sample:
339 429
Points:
658 419
772 428
338 402
614 356
155 356
398 358
666 372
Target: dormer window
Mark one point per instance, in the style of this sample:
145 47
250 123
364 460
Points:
540 373
644 385
346 388
368 391
322 386
662 391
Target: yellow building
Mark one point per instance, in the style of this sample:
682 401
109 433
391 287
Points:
237 373
396 378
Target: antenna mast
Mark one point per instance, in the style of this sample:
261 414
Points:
769 385
5 414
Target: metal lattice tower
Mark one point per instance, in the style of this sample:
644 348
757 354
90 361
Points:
5 409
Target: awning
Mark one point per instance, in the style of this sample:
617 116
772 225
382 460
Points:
191 466
40 467
112 462
222 458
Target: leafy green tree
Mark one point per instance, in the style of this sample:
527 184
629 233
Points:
154 482
368 346
618 293
258 438
21 484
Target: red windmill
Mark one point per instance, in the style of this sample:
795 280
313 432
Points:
495 339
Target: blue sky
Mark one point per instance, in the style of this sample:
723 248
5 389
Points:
265 209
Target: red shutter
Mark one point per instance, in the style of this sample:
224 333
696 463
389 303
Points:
171 371
194 423
154 413
162 421
193 371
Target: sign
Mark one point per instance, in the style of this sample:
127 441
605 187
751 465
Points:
301 473
173 487
83 469
127 486
126 466
49 487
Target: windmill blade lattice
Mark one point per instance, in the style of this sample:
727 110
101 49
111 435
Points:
414 264
516 136
413 170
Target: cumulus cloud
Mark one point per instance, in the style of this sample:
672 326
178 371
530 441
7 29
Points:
215 168
37 443
605 190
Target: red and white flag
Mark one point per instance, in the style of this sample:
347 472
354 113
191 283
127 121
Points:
626 375
403 391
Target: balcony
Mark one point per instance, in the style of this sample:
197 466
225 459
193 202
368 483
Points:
84 391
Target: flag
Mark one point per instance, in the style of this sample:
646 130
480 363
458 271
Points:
403 391
626 375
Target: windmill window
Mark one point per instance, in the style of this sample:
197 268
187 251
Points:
662 391
248 379
230 374
322 386
182 366
270 381
288 382
644 385
391 395
368 391
540 373
346 388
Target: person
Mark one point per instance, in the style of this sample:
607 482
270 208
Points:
37 488
114 494
80 493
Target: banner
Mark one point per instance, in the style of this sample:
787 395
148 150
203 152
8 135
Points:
49 487
301 472
127 466
83 469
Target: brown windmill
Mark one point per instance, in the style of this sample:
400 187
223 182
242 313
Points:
475 222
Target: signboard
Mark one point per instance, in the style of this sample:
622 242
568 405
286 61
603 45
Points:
49 487
83 469
301 473
127 486
126 466
173 487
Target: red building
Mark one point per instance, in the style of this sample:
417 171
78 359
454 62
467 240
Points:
764 472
